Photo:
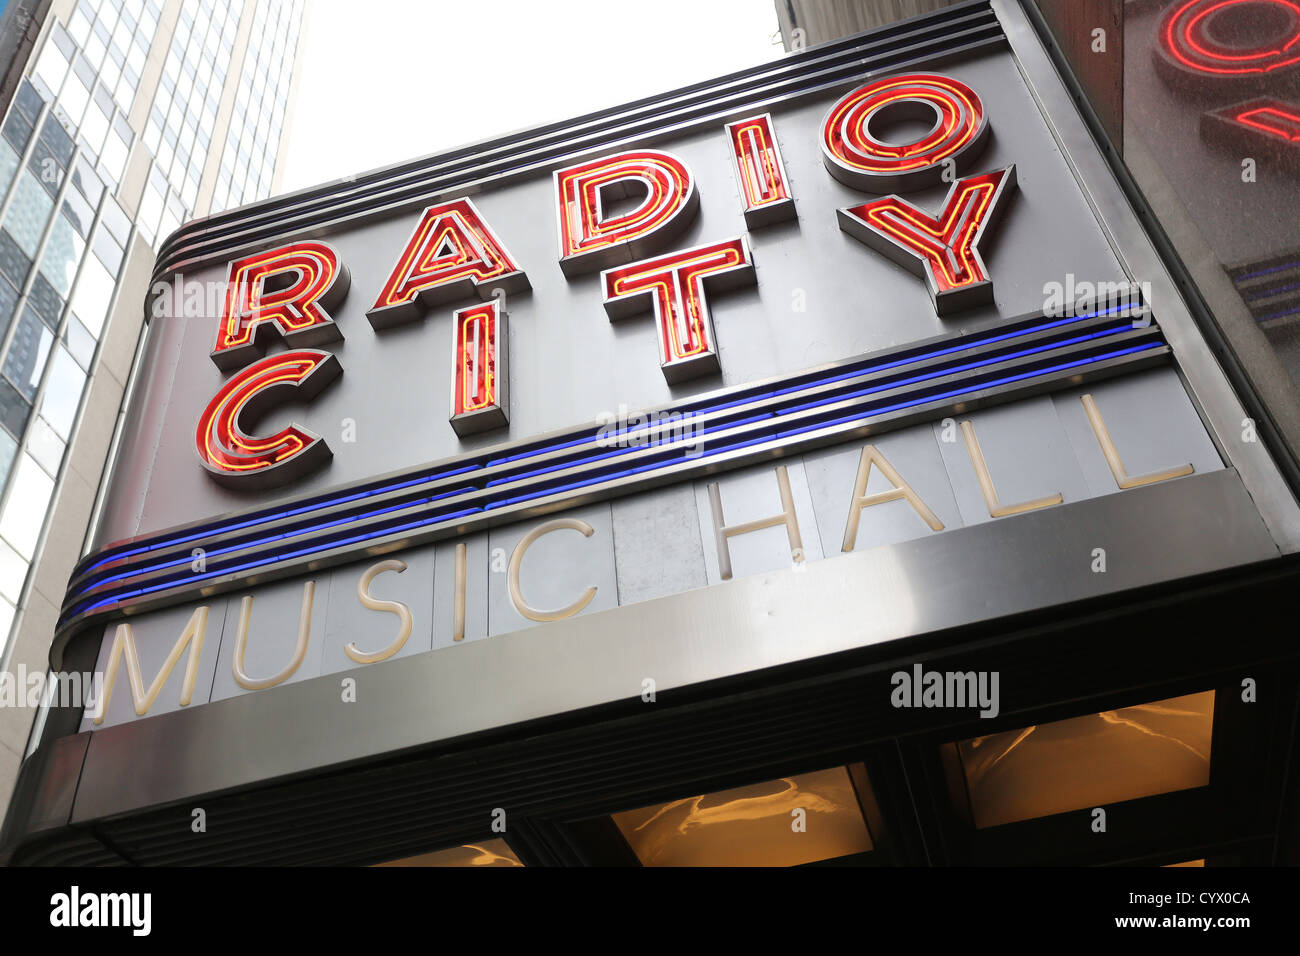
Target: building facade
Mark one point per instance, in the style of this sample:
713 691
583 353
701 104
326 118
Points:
833 463
127 118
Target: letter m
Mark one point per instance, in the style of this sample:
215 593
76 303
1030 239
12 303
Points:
124 646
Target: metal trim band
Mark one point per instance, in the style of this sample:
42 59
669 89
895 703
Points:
840 402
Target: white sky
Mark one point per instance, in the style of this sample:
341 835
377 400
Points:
384 80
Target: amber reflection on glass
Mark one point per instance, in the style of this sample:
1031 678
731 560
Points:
753 825
487 853
1186 863
1089 761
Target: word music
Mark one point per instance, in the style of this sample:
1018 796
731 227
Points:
453 255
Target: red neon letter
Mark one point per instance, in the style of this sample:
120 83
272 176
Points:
1188 42
451 255
673 287
235 458
943 249
858 158
591 237
760 173
1274 119
288 289
479 375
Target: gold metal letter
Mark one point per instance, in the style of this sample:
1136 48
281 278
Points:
299 652
458 612
871 454
517 559
124 646
393 607
787 517
1112 453
986 481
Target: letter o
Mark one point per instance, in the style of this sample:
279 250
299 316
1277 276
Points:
859 158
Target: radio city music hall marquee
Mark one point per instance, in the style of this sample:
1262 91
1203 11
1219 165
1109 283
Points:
968 405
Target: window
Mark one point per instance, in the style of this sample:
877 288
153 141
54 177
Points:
13 569
91 298
45 446
13 263
492 852
62 394
29 499
752 825
51 68
14 410
25 360
62 255
8 164
45 301
81 344
28 214
1086 761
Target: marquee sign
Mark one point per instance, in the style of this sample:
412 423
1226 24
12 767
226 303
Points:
748 340
454 254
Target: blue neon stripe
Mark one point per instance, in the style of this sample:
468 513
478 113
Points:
323 546
951 369
974 342
617 452
1271 292
658 462
1268 271
894 383
1278 315
347 519
277 515
952 393
370 535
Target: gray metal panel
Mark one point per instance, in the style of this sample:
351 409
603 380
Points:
1159 533
53 794
657 547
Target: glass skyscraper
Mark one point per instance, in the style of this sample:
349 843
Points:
132 117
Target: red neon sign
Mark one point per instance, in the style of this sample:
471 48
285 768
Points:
1187 38
479 373
452 254
1276 120
760 171
673 287
287 289
592 236
944 249
857 157
234 457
